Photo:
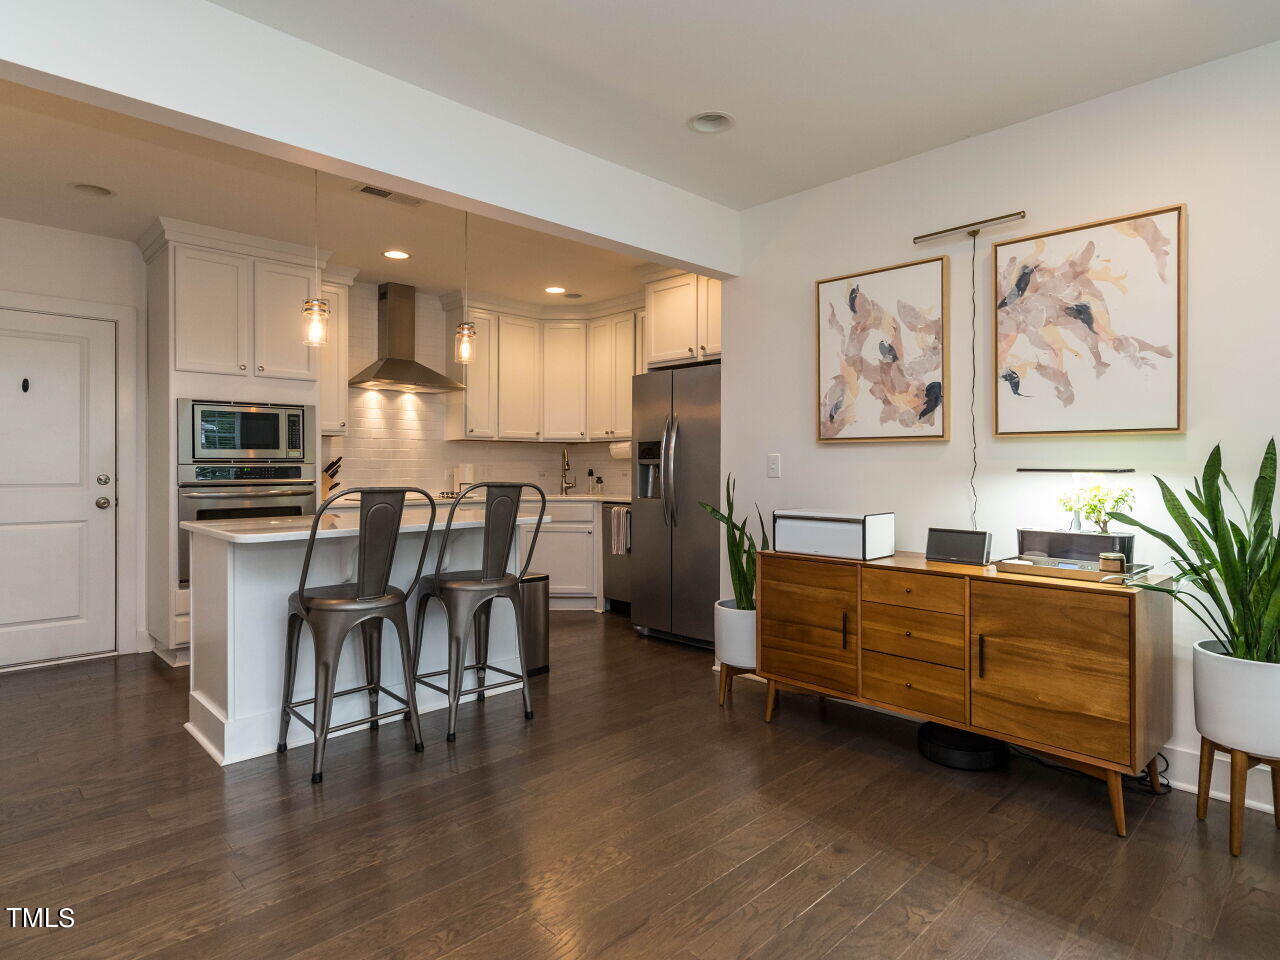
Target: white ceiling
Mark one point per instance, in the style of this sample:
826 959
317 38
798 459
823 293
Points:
821 88
51 142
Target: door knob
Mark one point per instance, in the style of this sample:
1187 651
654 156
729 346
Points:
103 479
102 503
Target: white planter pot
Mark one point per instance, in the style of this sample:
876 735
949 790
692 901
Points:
735 635
1237 701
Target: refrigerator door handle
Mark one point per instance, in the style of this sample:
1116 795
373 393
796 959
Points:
664 458
671 467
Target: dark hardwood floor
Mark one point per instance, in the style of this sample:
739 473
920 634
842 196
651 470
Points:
631 819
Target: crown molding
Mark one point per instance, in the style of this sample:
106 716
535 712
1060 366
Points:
452 302
343 275
168 230
649 273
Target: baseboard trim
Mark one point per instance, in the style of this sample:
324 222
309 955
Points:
177 657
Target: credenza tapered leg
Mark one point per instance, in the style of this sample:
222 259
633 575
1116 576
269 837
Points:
1115 788
770 700
1153 774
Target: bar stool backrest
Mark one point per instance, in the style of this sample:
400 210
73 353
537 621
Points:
502 511
381 511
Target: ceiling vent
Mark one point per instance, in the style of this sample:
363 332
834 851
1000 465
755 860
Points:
401 198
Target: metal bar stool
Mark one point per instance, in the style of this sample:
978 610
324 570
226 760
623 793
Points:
468 594
332 612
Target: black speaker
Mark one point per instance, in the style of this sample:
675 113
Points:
959 546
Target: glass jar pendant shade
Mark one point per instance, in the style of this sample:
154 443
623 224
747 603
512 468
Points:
315 311
464 342
315 317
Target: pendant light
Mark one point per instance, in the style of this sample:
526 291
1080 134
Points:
464 340
315 310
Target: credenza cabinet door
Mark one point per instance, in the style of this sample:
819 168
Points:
1051 666
809 623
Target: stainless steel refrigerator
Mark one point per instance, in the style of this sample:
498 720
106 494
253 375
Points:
675 463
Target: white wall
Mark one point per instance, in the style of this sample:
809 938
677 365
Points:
399 438
77 266
1207 137
265 90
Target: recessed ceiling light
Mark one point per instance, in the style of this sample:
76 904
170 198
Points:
711 121
395 254
92 190
555 289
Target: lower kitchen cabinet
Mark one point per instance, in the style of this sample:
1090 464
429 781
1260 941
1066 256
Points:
566 552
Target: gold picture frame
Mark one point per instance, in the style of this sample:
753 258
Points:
836 399
1133 353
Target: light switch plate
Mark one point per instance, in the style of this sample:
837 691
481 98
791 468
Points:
774 470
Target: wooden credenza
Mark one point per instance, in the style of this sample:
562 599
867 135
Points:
1076 670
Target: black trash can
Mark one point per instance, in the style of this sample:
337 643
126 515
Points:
535 622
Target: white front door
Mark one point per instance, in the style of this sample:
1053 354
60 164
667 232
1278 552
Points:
57 487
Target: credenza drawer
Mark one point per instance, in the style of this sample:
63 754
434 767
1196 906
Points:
919 590
923 687
810 573
919 634
841 676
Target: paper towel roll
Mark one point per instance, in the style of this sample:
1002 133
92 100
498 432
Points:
620 450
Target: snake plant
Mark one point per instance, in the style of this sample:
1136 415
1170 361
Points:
1233 567
741 547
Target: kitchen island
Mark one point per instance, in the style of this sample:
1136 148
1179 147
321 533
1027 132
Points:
242 573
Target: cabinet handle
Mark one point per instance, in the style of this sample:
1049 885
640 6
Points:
844 629
581 434
244 366
342 423
907 633
703 348
691 351
472 430
908 684
982 655
908 589
261 368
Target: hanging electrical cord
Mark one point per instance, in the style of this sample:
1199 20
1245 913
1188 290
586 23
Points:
973 380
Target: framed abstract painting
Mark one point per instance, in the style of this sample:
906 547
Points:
1089 328
882 354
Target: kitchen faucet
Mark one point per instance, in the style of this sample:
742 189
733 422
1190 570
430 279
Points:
565 483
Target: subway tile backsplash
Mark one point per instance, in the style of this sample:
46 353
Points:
398 438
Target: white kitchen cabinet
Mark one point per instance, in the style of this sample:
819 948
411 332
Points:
709 310
279 290
480 402
333 364
212 306
564 380
671 306
519 378
611 360
567 553
682 322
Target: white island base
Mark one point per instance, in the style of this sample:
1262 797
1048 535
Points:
242 572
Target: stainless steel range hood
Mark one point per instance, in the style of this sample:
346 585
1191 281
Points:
396 368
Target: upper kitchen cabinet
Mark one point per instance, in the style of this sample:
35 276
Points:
610 365
472 414
333 363
279 290
212 306
564 381
682 320
519 378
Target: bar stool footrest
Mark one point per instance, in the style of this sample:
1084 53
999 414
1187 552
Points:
365 688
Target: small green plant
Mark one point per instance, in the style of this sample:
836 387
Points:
1234 568
1097 503
741 547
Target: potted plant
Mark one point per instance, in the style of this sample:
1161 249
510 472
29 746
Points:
1096 504
1228 577
735 617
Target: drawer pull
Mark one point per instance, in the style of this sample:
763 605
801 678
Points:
908 684
844 629
908 589
982 655
908 633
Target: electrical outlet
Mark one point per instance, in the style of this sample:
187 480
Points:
774 466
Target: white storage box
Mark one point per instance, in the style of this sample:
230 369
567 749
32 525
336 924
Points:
834 534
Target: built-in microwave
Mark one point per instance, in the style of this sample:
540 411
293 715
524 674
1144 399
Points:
212 432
